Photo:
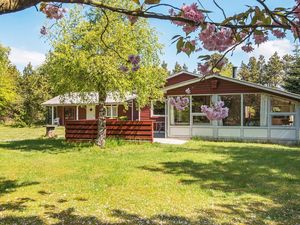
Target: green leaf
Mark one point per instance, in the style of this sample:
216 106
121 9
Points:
179 45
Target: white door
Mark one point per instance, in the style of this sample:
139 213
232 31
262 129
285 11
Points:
90 112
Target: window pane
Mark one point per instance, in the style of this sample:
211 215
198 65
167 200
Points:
159 108
108 111
288 120
198 101
252 104
233 102
200 120
282 105
180 117
114 111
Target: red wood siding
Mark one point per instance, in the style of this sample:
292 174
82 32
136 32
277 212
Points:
179 78
219 86
213 86
86 130
145 114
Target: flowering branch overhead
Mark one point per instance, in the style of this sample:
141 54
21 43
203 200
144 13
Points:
260 21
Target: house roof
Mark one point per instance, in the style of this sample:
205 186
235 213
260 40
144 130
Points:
84 99
250 84
182 72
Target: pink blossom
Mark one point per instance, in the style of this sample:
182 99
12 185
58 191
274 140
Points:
44 30
278 33
216 111
247 48
132 19
214 40
260 38
53 11
204 68
180 103
296 29
190 12
134 59
188 91
123 68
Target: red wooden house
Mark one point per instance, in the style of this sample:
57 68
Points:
256 112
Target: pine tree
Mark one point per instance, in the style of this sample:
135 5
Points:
253 71
185 68
164 65
177 68
274 71
292 79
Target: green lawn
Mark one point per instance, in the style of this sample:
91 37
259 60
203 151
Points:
14 133
52 182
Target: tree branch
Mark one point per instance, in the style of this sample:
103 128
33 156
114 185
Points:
9 6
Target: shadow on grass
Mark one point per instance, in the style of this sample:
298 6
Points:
264 170
8 186
43 145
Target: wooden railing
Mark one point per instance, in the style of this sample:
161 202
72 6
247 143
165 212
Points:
86 130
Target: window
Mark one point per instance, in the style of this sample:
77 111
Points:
69 113
158 108
282 105
200 120
252 110
111 111
283 112
198 117
198 101
233 102
178 117
283 120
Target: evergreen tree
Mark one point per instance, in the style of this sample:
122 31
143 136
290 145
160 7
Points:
164 65
253 71
274 71
292 78
177 68
185 68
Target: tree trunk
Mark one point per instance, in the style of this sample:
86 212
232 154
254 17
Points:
100 141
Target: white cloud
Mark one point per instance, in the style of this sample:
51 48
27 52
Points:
267 49
22 57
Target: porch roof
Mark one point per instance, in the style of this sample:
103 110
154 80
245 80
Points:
85 99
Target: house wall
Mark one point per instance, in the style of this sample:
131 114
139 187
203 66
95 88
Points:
179 78
266 133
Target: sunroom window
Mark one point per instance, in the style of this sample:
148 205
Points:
178 117
233 102
198 117
158 108
252 110
283 112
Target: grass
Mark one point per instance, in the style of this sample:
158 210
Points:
8 133
52 182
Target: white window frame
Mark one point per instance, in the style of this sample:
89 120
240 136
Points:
199 113
111 110
152 110
271 113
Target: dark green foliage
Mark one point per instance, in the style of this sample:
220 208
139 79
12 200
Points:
34 90
292 79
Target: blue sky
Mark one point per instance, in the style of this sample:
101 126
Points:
20 32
